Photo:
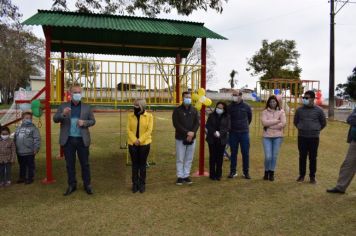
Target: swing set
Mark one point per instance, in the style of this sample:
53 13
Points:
117 83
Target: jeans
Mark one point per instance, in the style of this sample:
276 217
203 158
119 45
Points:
185 155
139 156
271 148
244 140
75 146
216 154
5 172
27 167
307 146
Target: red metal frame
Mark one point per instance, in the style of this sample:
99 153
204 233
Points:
49 177
61 151
178 60
202 113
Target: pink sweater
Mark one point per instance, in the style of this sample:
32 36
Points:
274 120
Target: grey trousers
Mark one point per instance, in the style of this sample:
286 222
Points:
348 168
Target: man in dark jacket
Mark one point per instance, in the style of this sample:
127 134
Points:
186 123
309 120
241 117
75 118
348 167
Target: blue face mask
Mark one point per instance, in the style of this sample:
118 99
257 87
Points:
27 121
77 97
187 101
306 102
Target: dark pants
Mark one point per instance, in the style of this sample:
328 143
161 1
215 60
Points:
139 156
5 172
307 146
216 154
242 139
73 147
27 167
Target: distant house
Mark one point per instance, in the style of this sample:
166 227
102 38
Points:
226 90
211 91
127 87
36 83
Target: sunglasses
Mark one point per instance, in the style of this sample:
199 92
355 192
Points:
306 98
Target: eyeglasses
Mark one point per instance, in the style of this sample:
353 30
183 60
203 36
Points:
306 98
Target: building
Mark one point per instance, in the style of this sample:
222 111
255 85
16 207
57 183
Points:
36 83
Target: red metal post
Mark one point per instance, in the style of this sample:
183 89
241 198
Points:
202 112
61 151
49 178
178 60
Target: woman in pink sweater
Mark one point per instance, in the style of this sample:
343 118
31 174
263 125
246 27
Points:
273 121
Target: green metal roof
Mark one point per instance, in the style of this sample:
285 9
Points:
124 35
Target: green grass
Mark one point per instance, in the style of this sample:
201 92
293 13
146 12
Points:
229 207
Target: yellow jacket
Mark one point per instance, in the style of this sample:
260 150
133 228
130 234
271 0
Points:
145 129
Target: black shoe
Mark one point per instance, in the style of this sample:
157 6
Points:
312 180
271 176
134 188
28 181
218 178
300 179
232 175
188 180
88 189
265 177
179 181
20 181
247 176
212 178
70 190
142 188
334 190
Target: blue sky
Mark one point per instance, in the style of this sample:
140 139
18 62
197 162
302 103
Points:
247 23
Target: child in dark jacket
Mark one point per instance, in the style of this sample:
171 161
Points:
7 156
28 141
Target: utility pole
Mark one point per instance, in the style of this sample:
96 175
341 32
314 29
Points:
333 13
332 62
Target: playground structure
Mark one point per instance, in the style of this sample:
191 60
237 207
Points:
118 83
289 93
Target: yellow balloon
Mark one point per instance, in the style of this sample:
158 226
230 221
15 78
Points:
195 97
198 106
201 92
202 99
208 102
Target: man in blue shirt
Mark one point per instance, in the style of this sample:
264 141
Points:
75 118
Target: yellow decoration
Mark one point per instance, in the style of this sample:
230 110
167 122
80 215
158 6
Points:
201 92
200 99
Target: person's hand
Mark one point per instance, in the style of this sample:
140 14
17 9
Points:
190 134
189 139
80 123
66 111
217 134
137 142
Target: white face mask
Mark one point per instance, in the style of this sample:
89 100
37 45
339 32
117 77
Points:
5 137
237 99
219 111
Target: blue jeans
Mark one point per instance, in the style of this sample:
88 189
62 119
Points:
184 155
244 140
271 147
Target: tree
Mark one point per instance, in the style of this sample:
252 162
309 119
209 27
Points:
348 88
278 59
148 7
192 61
232 81
9 13
21 55
79 65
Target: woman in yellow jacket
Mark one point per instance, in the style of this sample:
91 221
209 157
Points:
139 129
